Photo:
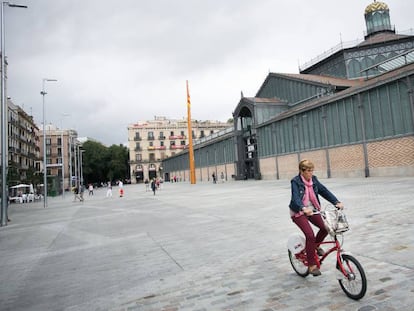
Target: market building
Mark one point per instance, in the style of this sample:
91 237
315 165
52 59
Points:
351 112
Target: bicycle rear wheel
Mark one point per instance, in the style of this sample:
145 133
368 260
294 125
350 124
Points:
354 283
297 265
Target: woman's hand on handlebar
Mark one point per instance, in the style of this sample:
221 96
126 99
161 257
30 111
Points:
339 205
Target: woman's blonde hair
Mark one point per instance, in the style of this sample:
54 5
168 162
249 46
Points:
305 164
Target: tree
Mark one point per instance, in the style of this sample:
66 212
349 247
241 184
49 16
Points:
94 159
102 164
118 163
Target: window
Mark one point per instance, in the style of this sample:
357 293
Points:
151 135
151 144
152 157
172 133
138 157
211 132
162 135
202 134
172 143
182 133
182 143
161 143
48 141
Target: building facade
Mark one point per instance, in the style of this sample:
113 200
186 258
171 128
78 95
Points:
351 112
23 145
150 142
63 158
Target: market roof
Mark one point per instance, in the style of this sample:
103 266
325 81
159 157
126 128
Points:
376 6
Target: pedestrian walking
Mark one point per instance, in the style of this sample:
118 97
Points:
214 178
76 196
109 190
153 185
82 190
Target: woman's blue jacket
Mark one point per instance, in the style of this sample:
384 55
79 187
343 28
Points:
298 191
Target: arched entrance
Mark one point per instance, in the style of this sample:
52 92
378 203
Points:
247 160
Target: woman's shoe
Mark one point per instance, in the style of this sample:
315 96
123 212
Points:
314 270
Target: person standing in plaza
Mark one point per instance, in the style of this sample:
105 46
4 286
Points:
90 189
304 204
121 188
109 190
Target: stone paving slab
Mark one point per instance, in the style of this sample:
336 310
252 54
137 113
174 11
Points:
201 247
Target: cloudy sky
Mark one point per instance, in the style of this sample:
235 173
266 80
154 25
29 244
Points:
118 62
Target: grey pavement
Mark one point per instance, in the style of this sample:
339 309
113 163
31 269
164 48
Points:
201 247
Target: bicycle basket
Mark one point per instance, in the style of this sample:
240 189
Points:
335 220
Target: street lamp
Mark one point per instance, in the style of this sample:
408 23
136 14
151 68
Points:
81 166
4 138
43 93
63 154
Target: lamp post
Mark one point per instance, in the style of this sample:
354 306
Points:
63 154
4 136
81 166
43 93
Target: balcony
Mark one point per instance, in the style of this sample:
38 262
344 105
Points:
174 137
138 149
137 138
160 148
161 137
150 138
150 148
174 147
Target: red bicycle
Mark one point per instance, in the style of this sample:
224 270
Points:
350 274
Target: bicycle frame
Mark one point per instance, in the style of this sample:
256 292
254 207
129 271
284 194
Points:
336 247
319 260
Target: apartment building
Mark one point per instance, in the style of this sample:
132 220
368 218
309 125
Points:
150 142
63 158
23 145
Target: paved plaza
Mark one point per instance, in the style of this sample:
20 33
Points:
201 247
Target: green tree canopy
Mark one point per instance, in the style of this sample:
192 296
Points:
102 164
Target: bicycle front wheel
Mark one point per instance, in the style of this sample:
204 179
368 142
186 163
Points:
297 265
354 282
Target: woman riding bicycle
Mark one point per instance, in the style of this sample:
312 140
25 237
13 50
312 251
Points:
304 202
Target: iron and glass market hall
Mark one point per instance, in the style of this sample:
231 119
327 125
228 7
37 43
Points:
351 112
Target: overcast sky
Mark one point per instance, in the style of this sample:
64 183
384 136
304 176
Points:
118 62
